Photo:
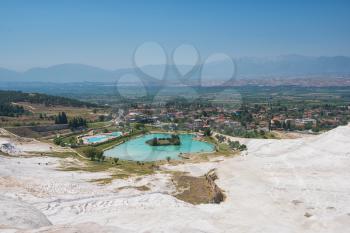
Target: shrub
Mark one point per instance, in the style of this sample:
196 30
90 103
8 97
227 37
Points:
116 160
235 145
57 140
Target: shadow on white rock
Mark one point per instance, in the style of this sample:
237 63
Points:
20 215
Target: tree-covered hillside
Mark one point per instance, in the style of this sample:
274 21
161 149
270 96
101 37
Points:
9 97
11 110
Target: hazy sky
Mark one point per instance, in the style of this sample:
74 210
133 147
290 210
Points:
106 33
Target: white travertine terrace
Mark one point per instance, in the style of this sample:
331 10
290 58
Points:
289 185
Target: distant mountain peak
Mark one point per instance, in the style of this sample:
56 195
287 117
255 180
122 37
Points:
284 65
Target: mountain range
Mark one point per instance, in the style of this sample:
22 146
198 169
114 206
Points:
281 66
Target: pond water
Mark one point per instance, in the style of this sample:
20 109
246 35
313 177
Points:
138 150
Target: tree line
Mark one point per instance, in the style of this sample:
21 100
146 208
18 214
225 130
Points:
61 118
48 100
73 123
77 122
11 110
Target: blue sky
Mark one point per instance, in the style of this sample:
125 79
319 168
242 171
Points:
105 33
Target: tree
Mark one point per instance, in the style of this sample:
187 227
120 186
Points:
64 119
220 138
99 155
289 125
61 118
277 124
77 122
242 147
284 125
116 160
175 139
154 141
101 118
93 153
235 145
7 109
207 132
308 125
139 126
72 140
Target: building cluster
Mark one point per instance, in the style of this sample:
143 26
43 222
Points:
322 117
230 121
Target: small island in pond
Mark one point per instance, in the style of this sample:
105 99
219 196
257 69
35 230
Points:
173 140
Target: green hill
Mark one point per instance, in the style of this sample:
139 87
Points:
8 97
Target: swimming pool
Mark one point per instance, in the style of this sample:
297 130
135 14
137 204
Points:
101 137
138 150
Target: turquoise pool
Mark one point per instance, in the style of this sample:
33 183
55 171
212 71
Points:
116 134
98 138
136 149
102 137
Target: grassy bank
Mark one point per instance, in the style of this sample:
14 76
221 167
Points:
221 148
120 169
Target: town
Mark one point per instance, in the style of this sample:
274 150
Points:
251 121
